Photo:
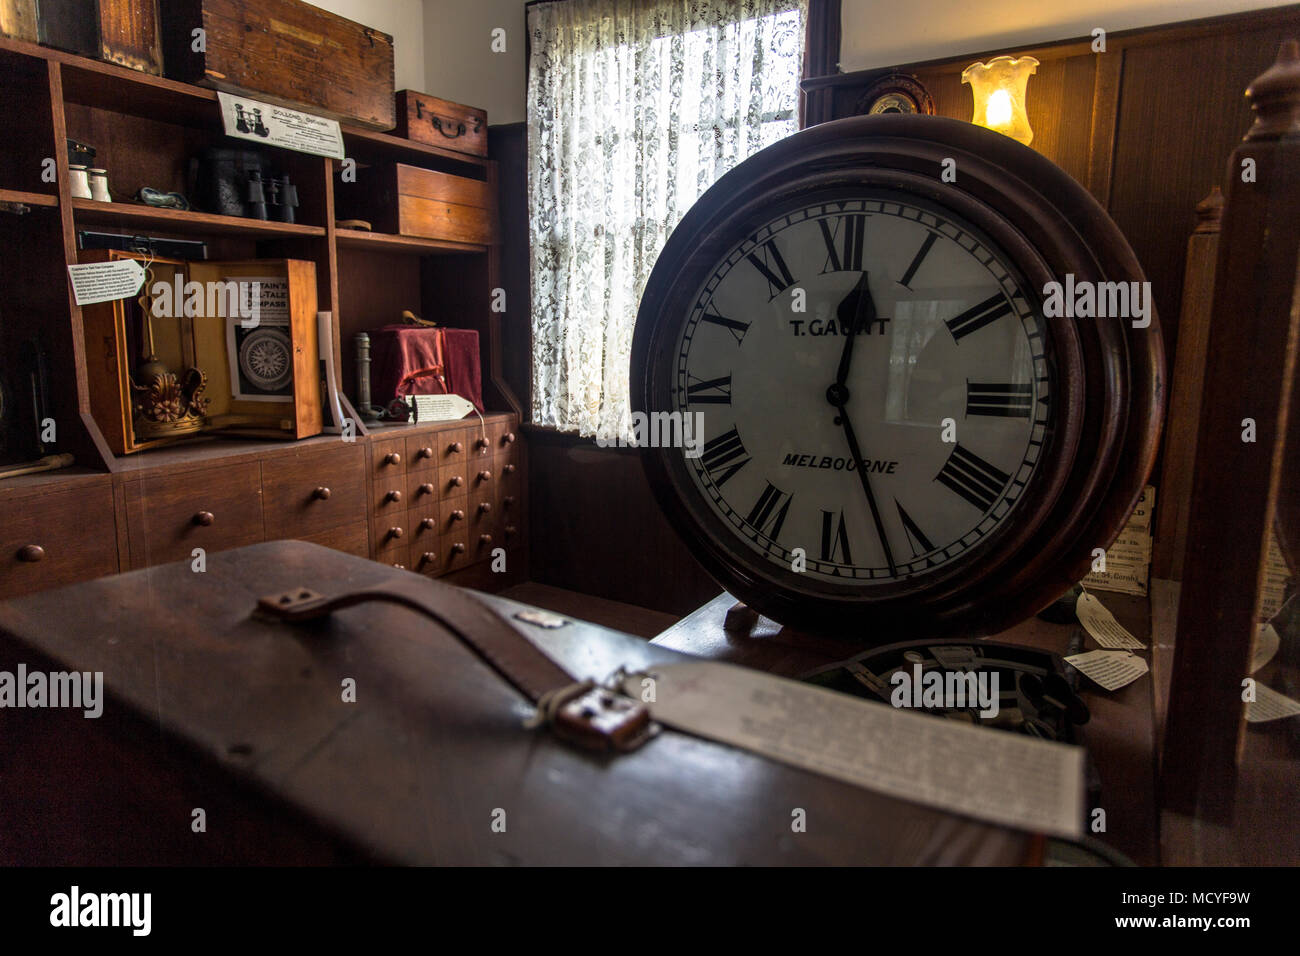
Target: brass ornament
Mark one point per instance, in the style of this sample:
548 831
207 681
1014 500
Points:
165 405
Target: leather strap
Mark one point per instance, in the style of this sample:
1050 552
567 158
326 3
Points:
495 642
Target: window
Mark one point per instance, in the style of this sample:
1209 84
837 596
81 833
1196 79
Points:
634 110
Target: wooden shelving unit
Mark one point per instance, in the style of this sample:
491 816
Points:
146 130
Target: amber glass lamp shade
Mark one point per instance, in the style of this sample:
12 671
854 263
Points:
998 87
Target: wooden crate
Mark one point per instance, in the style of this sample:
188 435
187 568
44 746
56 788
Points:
198 340
427 119
18 19
118 31
284 52
410 201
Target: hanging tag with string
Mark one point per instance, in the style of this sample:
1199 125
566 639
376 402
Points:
94 282
1101 624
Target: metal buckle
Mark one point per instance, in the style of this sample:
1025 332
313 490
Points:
604 719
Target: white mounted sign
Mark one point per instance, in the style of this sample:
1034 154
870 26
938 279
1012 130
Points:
273 125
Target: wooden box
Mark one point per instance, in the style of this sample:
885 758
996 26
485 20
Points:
285 52
427 119
281 345
208 704
18 19
410 201
118 31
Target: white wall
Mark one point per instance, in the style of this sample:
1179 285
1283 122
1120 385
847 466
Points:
403 20
443 47
460 64
876 33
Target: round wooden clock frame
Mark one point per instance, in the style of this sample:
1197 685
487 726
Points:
1108 386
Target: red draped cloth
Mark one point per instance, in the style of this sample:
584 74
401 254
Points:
413 360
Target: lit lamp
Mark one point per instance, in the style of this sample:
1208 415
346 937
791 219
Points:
998 87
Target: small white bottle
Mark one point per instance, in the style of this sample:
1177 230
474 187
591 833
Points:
79 182
99 185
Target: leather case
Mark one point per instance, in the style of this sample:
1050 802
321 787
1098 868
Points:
210 706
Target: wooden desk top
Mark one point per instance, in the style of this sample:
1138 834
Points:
1120 736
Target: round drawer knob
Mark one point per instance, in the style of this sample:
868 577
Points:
484 507
458 548
424 453
400 567
481 443
455 448
395 532
485 476
508 501
455 481
429 557
508 438
457 515
204 518
31 553
392 458
321 494
511 531
485 539
428 523
510 469
425 489
393 496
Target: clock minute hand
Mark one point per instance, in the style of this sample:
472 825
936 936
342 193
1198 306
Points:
854 311
856 452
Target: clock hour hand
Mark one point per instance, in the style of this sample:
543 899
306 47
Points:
855 311
856 452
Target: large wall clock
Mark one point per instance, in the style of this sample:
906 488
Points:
896 438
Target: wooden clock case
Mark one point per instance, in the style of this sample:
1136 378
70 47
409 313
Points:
1109 376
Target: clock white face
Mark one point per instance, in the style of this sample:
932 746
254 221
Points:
916 345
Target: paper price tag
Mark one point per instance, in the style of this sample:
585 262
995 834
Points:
105 281
441 408
1101 624
1270 705
1110 669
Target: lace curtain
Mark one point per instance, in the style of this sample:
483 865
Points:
635 107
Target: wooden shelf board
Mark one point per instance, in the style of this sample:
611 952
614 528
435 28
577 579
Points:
131 216
30 199
410 245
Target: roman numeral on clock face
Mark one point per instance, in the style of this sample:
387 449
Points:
835 538
735 327
918 259
978 316
769 511
767 260
844 240
723 457
919 542
714 391
972 478
1003 400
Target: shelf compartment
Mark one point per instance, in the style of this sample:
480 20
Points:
407 245
130 216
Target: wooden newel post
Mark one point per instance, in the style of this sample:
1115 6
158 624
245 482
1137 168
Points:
1249 375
